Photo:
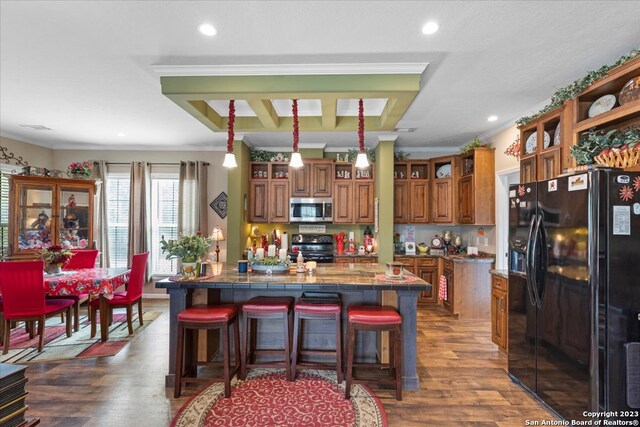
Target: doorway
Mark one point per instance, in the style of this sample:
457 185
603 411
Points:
503 180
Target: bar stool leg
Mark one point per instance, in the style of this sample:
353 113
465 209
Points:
296 346
236 344
339 347
177 380
245 355
287 320
226 361
350 344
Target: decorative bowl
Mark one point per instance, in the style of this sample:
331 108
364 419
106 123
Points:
423 248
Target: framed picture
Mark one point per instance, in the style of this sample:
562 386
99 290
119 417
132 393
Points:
410 248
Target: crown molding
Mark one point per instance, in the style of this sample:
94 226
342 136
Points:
448 150
290 69
387 138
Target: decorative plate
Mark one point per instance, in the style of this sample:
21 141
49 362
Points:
444 171
630 91
556 134
532 143
602 105
547 139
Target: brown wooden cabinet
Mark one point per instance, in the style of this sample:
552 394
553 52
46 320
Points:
499 311
269 189
411 192
448 273
445 172
401 202
259 201
353 195
49 211
476 187
279 201
426 267
355 259
314 179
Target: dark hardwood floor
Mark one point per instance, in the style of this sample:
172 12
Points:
463 382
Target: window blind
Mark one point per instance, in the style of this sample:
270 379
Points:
118 219
4 215
164 220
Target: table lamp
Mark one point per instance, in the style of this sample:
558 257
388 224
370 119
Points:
216 236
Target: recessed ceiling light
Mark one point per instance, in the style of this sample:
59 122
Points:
120 134
430 27
492 118
207 30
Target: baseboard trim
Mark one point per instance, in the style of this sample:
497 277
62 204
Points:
155 296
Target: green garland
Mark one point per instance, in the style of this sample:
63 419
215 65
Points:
353 154
577 87
476 143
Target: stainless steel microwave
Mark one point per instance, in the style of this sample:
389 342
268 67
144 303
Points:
316 209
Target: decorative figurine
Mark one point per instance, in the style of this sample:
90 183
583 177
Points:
72 201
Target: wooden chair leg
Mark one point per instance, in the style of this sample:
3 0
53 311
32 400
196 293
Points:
68 321
1 328
94 315
140 311
177 380
129 318
30 328
76 316
7 333
62 317
226 361
350 344
41 332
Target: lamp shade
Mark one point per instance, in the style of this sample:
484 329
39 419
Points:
361 161
229 161
296 160
216 234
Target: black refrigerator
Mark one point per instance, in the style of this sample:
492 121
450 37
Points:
574 291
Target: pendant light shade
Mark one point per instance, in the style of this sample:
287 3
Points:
361 161
296 158
230 158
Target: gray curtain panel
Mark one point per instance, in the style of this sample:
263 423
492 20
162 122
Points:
139 211
101 228
192 198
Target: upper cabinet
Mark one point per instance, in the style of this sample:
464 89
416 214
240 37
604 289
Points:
269 189
476 187
411 192
353 194
49 211
444 179
314 179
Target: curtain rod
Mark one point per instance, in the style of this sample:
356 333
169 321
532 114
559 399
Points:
154 163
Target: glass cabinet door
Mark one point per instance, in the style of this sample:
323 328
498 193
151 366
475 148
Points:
74 217
35 213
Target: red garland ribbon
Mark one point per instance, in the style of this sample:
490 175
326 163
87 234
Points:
232 119
296 129
361 124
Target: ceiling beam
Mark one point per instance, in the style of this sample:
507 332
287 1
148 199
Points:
265 112
329 105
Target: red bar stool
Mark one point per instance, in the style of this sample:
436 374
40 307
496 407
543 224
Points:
375 318
265 308
316 309
207 317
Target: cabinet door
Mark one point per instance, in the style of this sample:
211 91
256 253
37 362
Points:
75 215
363 203
528 170
466 209
321 179
258 201
33 217
300 181
498 317
549 164
279 201
407 262
448 302
343 202
419 202
430 275
442 201
400 202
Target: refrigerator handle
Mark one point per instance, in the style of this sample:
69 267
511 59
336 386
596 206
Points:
528 270
534 266
541 241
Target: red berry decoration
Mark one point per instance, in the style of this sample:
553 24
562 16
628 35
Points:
636 183
626 193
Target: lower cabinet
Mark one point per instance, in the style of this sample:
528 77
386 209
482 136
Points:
448 273
499 311
355 259
427 269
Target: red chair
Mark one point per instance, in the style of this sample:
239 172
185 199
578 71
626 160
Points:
23 298
128 298
81 259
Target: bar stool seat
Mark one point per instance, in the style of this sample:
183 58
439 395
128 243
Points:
207 317
375 318
308 310
263 307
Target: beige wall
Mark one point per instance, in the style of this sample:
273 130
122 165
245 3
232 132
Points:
35 155
501 141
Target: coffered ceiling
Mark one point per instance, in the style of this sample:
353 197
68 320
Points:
95 74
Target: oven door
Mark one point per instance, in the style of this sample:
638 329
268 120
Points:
308 210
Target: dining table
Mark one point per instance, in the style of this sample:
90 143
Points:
101 282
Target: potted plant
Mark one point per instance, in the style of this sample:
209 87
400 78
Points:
190 250
80 169
54 256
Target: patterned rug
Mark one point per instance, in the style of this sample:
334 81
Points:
58 346
266 398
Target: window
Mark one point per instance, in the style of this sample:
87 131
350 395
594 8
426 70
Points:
164 220
4 213
117 189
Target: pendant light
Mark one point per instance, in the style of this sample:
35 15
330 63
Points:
230 158
296 159
361 161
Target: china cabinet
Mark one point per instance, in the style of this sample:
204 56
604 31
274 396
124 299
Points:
48 211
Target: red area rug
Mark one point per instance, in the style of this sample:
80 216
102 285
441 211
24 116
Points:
266 398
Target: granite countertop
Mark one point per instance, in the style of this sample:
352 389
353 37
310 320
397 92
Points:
484 257
326 276
501 273
356 255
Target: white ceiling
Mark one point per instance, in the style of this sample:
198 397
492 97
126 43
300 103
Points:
84 68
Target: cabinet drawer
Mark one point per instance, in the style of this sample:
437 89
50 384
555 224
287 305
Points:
408 262
447 264
499 283
342 260
427 262
367 260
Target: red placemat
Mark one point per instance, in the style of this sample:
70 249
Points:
407 279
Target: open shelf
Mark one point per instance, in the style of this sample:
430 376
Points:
618 115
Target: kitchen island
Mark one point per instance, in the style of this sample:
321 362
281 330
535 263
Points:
356 283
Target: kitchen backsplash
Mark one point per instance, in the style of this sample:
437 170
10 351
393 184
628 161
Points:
424 233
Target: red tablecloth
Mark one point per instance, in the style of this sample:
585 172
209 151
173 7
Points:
87 280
